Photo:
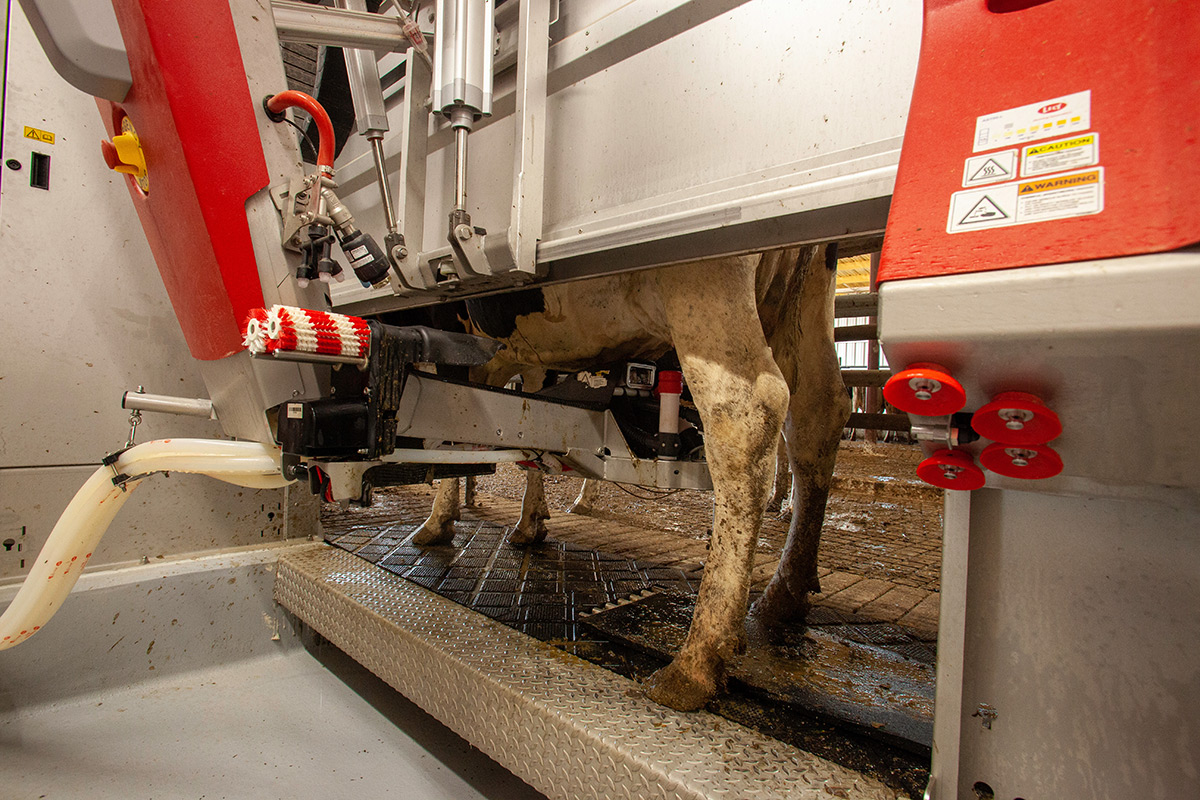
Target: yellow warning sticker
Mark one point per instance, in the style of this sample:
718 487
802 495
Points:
39 135
1073 153
1059 182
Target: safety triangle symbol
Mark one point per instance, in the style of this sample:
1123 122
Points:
990 170
983 211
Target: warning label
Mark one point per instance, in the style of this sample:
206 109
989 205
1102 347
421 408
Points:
1030 123
1073 153
992 168
1061 196
1021 202
39 135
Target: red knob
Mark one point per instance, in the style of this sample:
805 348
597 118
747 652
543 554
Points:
925 389
1032 461
1016 418
951 469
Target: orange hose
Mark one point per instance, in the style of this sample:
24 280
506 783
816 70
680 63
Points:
293 99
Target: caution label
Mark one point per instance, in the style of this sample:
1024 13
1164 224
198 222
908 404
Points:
1074 194
39 135
1073 153
991 168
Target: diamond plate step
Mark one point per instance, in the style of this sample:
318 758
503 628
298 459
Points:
569 728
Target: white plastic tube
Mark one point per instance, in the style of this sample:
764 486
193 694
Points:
94 506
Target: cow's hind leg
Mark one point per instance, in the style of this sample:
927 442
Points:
781 488
439 527
531 527
742 398
818 411
585 503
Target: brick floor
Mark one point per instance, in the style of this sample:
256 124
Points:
857 595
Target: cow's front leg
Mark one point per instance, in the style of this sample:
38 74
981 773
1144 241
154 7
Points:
531 528
439 527
585 503
742 398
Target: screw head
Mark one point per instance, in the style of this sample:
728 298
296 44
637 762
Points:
463 232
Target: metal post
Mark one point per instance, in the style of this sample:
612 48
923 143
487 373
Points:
533 48
414 149
874 397
460 168
385 191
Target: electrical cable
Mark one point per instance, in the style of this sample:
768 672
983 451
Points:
303 133
654 494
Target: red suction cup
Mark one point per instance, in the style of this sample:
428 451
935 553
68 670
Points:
1016 418
1033 461
951 469
925 389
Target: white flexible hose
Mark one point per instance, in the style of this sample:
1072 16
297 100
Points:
94 506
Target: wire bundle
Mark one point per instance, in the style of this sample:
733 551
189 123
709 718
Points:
306 331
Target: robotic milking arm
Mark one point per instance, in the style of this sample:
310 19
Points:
243 235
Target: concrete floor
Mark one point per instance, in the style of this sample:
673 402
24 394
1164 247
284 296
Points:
184 679
295 725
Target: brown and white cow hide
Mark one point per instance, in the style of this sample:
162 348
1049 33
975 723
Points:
754 336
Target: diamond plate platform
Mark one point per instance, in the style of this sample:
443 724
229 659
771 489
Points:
568 727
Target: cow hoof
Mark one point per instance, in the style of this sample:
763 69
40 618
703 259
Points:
680 689
582 509
769 612
522 535
433 535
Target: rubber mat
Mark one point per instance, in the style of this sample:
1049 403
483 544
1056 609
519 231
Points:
540 590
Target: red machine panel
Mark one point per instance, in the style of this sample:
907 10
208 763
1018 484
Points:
192 111
1048 131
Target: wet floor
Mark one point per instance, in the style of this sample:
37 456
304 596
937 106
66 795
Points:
854 691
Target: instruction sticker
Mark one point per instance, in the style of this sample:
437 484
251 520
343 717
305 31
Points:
990 168
1046 119
39 135
1075 194
1073 153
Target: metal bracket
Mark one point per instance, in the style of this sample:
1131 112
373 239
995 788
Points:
503 258
300 207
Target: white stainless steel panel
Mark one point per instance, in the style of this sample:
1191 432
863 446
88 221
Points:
1082 636
708 118
1110 345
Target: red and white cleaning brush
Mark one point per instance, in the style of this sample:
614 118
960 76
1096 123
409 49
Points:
301 330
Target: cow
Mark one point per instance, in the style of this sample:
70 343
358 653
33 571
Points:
754 337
